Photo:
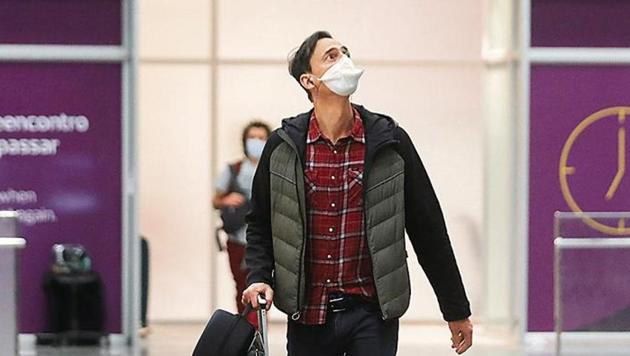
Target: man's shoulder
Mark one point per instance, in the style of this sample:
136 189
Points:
296 125
274 140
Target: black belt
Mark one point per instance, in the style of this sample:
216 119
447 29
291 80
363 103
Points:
338 302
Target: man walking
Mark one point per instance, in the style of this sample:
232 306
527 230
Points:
333 194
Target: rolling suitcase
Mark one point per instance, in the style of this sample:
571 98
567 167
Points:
260 345
228 334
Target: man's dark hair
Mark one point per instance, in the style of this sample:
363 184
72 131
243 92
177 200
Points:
300 61
251 125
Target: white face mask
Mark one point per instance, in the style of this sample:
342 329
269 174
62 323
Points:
254 147
343 77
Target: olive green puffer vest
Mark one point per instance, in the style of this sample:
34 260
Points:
384 226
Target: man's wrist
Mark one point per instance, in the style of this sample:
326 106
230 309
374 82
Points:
258 279
457 316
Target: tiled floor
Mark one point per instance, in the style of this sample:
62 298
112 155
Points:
415 340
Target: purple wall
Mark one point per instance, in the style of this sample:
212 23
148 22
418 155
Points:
561 97
580 23
60 22
78 189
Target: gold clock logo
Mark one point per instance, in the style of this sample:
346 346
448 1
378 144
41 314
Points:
618 113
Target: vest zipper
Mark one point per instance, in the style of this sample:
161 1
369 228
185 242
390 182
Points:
296 315
365 209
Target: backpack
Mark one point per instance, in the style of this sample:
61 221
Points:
228 334
234 217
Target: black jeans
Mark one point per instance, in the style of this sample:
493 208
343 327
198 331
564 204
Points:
359 331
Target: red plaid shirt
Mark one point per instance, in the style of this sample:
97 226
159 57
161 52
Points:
337 256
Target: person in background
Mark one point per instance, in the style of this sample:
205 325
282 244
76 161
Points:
333 195
232 195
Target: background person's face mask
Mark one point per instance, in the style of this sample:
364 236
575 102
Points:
254 147
343 77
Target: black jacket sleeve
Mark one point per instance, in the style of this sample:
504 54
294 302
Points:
426 229
259 251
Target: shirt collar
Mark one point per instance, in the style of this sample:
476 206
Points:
357 133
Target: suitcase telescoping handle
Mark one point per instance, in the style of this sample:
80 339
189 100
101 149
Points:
262 323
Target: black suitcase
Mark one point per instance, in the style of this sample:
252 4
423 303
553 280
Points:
75 309
228 334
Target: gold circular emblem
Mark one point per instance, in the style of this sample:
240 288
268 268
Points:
617 113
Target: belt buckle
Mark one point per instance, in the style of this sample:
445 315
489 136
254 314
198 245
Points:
332 304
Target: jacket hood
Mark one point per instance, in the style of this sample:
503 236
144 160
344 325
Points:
379 129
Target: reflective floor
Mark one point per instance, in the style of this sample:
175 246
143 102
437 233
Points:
179 339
